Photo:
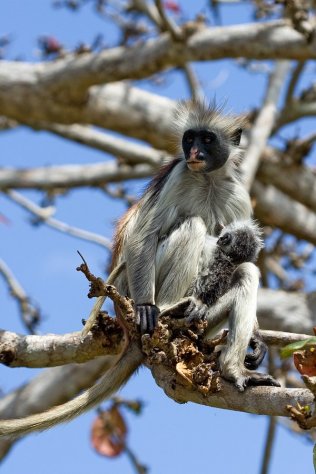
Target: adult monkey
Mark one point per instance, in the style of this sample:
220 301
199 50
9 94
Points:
162 239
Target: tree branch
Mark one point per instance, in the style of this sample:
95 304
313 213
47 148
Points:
69 78
70 176
258 400
270 439
52 350
264 124
131 153
44 215
297 181
30 314
290 216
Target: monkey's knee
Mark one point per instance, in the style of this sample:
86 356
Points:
246 274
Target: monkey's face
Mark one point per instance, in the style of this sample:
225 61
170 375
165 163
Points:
239 245
204 150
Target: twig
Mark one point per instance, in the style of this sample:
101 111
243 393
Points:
168 23
297 71
263 124
148 9
139 468
102 289
193 82
30 314
7 124
270 439
44 215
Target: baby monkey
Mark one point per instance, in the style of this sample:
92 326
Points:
216 288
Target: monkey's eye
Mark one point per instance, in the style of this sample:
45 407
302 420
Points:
208 137
225 239
188 137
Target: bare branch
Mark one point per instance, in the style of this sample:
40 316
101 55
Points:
299 182
193 83
30 314
72 76
296 74
280 339
269 445
290 216
258 400
71 176
264 124
131 153
44 215
286 311
296 110
149 9
167 22
52 350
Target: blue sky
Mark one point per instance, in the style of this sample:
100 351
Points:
168 436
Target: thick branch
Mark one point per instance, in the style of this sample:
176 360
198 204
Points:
52 350
258 400
296 110
72 76
70 176
264 123
276 209
286 311
131 153
298 181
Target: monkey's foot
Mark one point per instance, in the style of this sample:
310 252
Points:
251 379
147 317
254 358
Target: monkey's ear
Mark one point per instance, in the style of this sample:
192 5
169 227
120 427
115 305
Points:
236 136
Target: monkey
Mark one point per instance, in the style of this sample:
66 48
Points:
162 238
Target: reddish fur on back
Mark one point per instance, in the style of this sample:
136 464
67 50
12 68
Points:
152 191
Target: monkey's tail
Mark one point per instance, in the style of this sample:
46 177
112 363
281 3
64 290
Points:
108 384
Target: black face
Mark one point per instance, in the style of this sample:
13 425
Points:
240 246
204 150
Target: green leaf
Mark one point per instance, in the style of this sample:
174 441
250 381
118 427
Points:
314 457
288 350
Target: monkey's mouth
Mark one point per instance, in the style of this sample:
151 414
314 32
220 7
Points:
196 165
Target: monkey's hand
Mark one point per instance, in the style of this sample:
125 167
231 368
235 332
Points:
196 310
147 317
190 308
259 349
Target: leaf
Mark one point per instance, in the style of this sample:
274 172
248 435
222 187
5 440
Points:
288 350
108 433
184 372
305 362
